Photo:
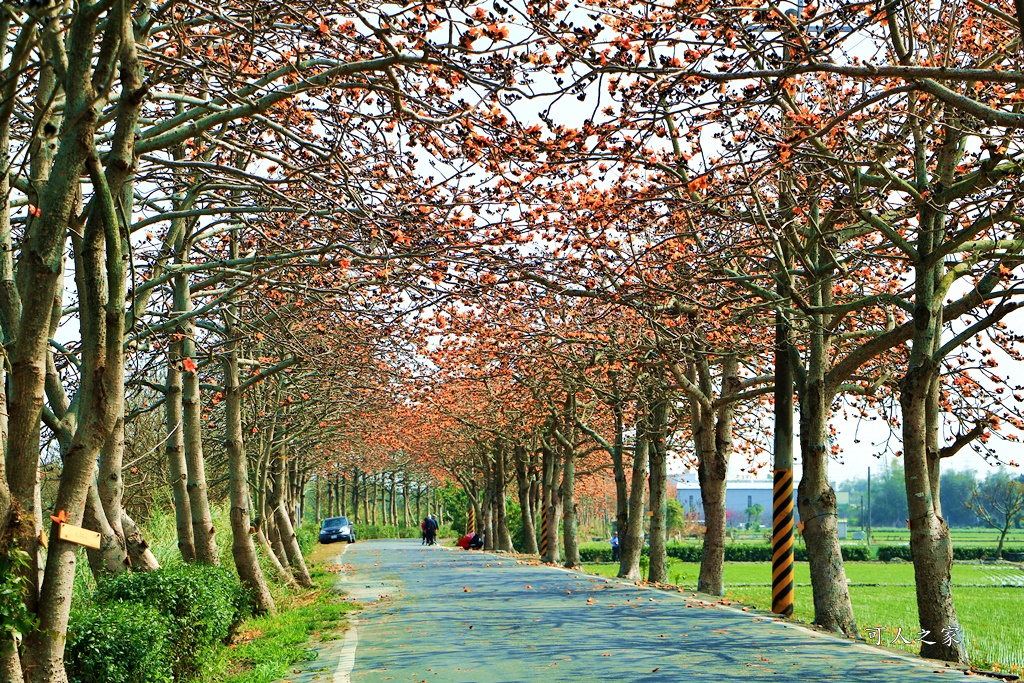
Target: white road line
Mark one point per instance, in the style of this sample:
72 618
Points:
347 660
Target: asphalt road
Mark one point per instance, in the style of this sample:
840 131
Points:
434 614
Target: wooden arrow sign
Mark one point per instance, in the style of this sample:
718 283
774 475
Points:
79 536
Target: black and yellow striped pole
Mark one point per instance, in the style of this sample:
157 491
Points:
782 493
782 543
471 520
544 533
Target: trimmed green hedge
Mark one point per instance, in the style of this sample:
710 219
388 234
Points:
733 553
118 643
888 552
194 606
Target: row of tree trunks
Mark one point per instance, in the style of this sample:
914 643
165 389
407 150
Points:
631 539
525 480
552 502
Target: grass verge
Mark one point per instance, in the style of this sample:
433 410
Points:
266 648
883 596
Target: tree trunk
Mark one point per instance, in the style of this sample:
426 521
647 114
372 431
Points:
657 458
712 437
316 498
275 539
488 503
504 538
371 497
354 484
712 493
142 558
202 520
619 470
419 506
405 501
817 504
105 502
285 529
568 498
242 549
272 555
631 541
552 504
930 543
525 502
174 449
28 306
100 281
111 558
341 485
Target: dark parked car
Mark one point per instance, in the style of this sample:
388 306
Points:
337 529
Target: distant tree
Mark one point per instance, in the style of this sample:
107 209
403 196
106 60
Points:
675 517
956 491
889 497
753 514
999 503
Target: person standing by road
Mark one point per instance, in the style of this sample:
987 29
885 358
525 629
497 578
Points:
430 529
615 547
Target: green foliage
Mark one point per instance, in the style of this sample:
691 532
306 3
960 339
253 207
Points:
753 514
515 524
888 495
308 535
456 503
955 489
999 503
675 515
888 552
202 606
118 642
14 616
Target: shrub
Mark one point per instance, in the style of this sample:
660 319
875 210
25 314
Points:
118 643
733 553
684 552
595 554
856 553
14 615
888 552
307 535
367 531
202 605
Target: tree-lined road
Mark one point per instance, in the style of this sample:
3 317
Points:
434 614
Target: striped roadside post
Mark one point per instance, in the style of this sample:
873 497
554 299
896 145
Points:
782 543
544 533
471 520
782 491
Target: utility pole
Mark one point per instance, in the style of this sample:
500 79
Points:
869 506
785 354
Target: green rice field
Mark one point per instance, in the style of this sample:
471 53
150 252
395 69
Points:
989 600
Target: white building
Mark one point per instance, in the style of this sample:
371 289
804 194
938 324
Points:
740 494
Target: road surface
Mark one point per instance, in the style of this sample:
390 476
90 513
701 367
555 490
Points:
435 614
